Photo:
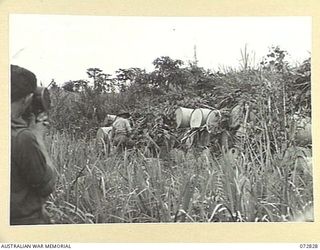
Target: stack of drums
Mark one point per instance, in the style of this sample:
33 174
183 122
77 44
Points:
198 118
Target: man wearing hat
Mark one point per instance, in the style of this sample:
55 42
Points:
32 173
121 130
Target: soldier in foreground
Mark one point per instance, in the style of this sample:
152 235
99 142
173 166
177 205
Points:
32 173
121 130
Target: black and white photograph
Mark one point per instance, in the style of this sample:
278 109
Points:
148 119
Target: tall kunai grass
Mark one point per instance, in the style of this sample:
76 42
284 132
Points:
184 187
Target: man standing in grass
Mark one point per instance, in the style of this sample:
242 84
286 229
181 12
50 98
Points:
32 173
121 130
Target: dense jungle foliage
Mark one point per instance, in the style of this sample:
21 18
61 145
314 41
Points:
172 174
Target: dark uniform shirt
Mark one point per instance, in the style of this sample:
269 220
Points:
32 179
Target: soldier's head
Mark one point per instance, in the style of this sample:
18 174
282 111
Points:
23 85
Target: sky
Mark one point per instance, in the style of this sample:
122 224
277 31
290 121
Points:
63 47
